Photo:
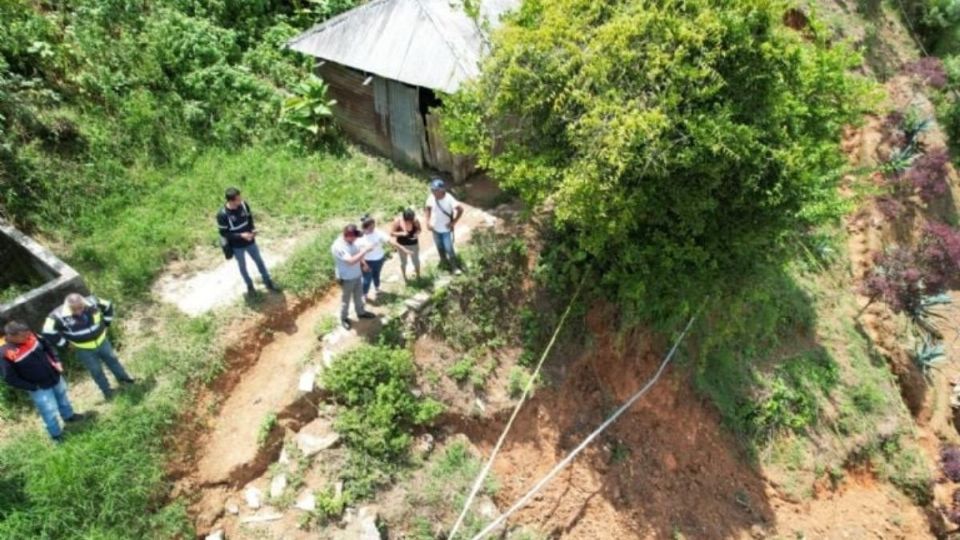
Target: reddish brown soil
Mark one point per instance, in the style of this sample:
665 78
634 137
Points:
667 466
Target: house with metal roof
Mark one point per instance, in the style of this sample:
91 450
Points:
388 63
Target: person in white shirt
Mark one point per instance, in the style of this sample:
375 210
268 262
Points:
374 242
348 257
443 212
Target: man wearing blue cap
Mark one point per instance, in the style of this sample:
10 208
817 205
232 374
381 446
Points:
443 212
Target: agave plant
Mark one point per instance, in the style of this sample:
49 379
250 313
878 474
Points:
900 160
925 314
310 109
928 354
914 123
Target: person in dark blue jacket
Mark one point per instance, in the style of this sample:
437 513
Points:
235 222
29 363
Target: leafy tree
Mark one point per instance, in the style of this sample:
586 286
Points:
676 143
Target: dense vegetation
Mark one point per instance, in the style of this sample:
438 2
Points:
677 144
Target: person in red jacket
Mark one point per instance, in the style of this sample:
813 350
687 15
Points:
29 363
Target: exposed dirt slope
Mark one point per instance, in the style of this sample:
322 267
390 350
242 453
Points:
667 468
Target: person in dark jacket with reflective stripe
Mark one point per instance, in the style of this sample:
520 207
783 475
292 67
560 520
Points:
82 323
235 222
29 363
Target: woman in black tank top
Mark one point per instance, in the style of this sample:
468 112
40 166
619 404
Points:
406 229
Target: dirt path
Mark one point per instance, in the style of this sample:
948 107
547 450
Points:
207 281
226 452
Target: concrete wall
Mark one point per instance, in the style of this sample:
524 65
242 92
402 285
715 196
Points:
29 260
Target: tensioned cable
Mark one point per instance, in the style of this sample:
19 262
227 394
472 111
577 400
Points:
516 411
613 417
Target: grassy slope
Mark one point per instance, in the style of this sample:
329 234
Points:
791 374
786 365
121 245
108 481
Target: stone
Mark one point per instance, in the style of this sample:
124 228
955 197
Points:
487 509
327 358
232 508
338 489
215 535
363 527
253 497
307 501
278 485
424 444
316 436
418 301
308 379
260 518
334 337
284 458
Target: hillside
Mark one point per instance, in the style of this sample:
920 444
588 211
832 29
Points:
781 175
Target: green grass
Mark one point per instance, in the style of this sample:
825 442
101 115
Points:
109 480
10 292
326 324
123 242
447 479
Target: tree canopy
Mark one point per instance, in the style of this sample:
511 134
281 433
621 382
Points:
677 143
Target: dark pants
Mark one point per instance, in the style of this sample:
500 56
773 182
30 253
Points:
91 358
373 275
240 253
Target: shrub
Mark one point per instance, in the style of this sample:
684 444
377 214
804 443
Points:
310 110
668 139
480 308
374 385
896 279
890 207
929 70
928 174
940 253
950 462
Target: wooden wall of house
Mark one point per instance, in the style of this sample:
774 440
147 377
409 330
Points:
385 115
356 109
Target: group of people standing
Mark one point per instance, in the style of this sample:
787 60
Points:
359 253
31 362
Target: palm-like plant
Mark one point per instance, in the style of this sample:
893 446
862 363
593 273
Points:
310 109
928 353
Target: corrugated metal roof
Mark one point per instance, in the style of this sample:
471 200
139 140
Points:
429 43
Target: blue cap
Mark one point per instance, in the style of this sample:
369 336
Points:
436 184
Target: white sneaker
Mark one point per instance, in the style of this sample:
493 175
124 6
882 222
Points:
373 295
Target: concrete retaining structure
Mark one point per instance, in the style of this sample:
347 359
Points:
24 260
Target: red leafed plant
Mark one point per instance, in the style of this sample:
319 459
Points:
928 69
928 174
940 255
890 207
950 462
897 279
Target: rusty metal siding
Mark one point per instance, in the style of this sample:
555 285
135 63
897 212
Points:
406 126
356 108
